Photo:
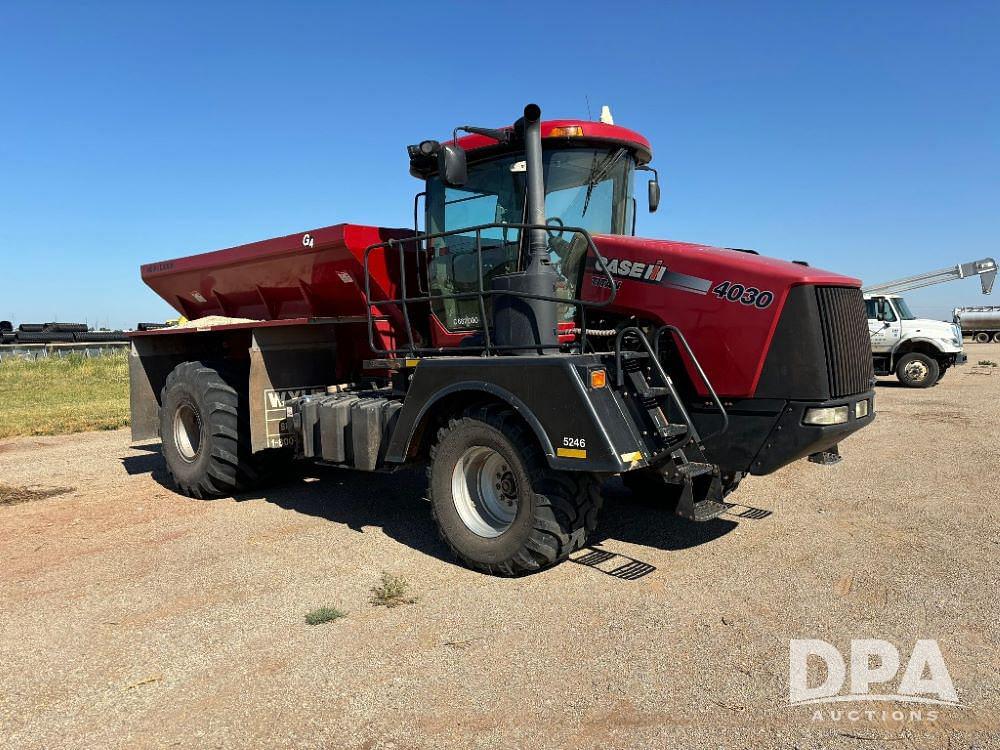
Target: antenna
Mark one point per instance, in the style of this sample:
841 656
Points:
589 116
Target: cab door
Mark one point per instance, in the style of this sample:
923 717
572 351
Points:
883 324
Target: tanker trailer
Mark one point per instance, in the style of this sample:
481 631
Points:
982 323
524 346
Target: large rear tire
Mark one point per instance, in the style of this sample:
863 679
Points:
497 504
916 370
203 426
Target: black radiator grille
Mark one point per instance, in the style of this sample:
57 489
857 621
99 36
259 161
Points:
846 340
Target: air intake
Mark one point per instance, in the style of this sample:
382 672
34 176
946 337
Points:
846 340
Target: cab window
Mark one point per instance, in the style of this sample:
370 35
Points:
880 309
585 187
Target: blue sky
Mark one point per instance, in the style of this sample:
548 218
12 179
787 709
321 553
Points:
862 137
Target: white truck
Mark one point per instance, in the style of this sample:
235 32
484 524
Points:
918 350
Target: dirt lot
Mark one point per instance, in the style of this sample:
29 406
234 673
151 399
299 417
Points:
132 617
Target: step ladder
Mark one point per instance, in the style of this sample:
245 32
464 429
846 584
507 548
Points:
702 490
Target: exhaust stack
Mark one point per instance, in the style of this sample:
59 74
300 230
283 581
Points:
529 324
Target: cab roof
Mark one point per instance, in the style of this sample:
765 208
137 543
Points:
554 133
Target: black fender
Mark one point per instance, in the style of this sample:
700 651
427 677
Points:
577 428
470 387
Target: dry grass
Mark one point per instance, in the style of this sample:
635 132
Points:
324 614
58 395
11 495
391 592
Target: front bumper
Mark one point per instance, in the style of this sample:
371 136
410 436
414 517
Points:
791 438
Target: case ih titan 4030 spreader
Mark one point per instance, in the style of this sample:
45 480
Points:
526 346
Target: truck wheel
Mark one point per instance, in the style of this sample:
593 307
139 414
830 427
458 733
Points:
981 338
206 447
943 370
996 337
916 370
497 504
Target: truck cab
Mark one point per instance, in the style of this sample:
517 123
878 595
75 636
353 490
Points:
918 350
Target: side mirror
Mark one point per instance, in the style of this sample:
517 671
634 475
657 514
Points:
451 165
654 187
880 316
654 195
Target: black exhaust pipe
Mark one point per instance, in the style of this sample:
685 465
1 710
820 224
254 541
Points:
528 326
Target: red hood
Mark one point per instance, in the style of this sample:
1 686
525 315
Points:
726 302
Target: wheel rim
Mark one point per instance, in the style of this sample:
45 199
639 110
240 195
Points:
187 432
916 370
484 491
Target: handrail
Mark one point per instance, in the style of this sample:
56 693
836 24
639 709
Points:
481 293
701 373
692 433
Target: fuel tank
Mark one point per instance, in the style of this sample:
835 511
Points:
984 317
728 304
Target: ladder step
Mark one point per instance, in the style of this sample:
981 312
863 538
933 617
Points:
694 469
673 430
655 392
706 510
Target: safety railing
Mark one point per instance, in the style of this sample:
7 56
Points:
699 369
420 254
653 350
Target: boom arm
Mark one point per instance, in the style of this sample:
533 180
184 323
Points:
985 268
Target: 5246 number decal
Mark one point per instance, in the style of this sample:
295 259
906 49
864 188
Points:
751 296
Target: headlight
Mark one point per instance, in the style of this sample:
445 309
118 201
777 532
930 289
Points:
861 409
826 415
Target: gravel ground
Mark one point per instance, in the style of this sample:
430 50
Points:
133 617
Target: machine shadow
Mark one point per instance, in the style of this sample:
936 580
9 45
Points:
627 519
397 503
889 384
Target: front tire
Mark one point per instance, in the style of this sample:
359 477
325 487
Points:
206 444
916 370
496 502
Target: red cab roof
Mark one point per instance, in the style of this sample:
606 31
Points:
570 130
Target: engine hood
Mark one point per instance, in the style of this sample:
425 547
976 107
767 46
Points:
932 329
720 258
726 302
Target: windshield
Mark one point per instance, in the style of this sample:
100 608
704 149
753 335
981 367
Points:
904 309
584 187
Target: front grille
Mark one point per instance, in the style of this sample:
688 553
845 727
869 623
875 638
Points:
846 340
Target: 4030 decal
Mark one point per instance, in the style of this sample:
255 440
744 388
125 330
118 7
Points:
750 296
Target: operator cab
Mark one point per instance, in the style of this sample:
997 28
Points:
588 168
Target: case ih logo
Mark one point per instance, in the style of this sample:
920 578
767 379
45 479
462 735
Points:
649 273
635 269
